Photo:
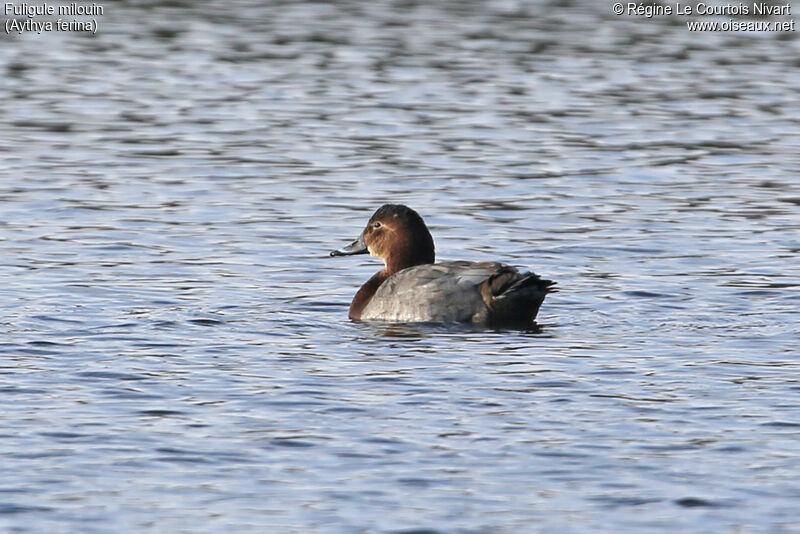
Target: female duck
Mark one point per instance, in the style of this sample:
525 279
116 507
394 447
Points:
412 288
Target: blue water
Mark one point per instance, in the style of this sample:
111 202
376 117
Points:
176 354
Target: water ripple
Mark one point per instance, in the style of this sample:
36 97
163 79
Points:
176 350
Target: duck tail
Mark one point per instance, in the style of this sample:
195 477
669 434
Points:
514 297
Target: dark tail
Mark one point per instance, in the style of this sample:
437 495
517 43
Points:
513 297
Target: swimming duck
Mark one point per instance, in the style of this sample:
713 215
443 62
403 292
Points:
412 288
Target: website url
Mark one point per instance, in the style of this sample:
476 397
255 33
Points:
741 26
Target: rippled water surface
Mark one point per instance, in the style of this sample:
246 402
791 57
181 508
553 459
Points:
176 353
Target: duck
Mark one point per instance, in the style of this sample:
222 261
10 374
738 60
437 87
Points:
413 288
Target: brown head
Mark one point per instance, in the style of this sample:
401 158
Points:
396 234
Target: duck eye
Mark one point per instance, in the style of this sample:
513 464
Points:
376 224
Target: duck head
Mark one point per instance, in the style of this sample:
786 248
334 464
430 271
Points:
397 235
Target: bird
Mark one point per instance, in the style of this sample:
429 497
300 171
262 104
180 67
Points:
413 288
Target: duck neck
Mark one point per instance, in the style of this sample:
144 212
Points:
406 255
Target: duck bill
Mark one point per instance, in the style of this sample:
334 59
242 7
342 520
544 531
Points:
359 246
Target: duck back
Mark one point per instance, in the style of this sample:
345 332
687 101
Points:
458 291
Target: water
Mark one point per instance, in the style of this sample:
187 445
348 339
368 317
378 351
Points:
176 353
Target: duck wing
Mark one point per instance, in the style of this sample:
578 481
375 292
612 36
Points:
439 292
